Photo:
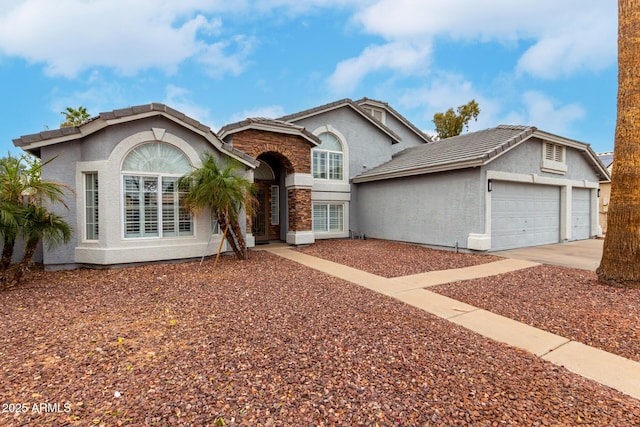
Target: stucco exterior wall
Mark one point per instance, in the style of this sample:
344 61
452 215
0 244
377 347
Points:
366 147
103 153
439 209
526 158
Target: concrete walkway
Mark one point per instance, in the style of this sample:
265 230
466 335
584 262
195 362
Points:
609 369
583 254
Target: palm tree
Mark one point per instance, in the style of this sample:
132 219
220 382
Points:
620 263
38 224
218 186
21 186
73 117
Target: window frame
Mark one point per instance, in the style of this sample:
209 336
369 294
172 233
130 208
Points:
328 217
554 158
95 205
322 160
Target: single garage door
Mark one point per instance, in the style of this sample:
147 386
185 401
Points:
524 215
580 213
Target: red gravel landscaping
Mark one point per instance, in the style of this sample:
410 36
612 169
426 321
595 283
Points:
392 259
264 342
568 302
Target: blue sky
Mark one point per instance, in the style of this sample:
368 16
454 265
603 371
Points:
550 64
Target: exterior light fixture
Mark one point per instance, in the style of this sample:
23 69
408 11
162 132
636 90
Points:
490 185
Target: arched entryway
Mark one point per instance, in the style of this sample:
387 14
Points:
270 219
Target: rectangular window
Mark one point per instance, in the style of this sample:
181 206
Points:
335 166
554 152
319 164
152 213
91 206
553 158
328 218
275 205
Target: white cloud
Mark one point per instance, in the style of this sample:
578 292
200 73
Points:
180 99
450 91
270 112
544 113
565 37
397 56
70 36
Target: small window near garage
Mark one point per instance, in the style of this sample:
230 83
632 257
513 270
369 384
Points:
91 206
328 218
554 158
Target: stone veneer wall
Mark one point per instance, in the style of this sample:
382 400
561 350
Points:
299 209
295 152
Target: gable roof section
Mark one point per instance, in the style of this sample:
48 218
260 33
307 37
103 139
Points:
269 125
394 113
292 118
465 151
32 143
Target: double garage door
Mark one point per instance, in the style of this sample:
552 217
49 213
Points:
529 214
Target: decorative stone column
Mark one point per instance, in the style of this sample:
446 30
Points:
300 230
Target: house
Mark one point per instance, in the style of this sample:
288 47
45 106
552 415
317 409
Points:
326 172
605 189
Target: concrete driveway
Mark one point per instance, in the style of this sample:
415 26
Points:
583 254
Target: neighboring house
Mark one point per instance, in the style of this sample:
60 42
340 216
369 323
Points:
605 189
346 166
500 188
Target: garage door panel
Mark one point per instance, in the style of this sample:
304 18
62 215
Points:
524 215
581 214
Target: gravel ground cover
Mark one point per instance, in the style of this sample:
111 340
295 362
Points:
392 259
565 301
264 342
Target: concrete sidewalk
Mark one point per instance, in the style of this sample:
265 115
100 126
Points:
606 368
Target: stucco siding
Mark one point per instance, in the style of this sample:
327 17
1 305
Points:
61 169
526 158
439 209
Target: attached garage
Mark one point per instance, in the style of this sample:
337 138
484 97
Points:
522 187
524 215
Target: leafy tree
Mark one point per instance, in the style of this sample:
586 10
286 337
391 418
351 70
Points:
620 264
73 117
220 187
22 191
450 123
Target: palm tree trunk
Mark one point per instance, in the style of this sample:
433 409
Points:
7 254
23 266
237 232
620 263
223 222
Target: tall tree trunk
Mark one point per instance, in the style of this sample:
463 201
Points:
620 263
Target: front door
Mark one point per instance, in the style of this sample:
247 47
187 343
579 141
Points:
260 220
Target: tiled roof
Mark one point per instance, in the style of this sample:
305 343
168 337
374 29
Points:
374 102
33 142
606 159
346 102
273 125
471 149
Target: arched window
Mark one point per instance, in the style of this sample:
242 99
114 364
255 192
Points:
327 160
152 199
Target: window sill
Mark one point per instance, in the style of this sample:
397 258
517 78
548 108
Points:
554 167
